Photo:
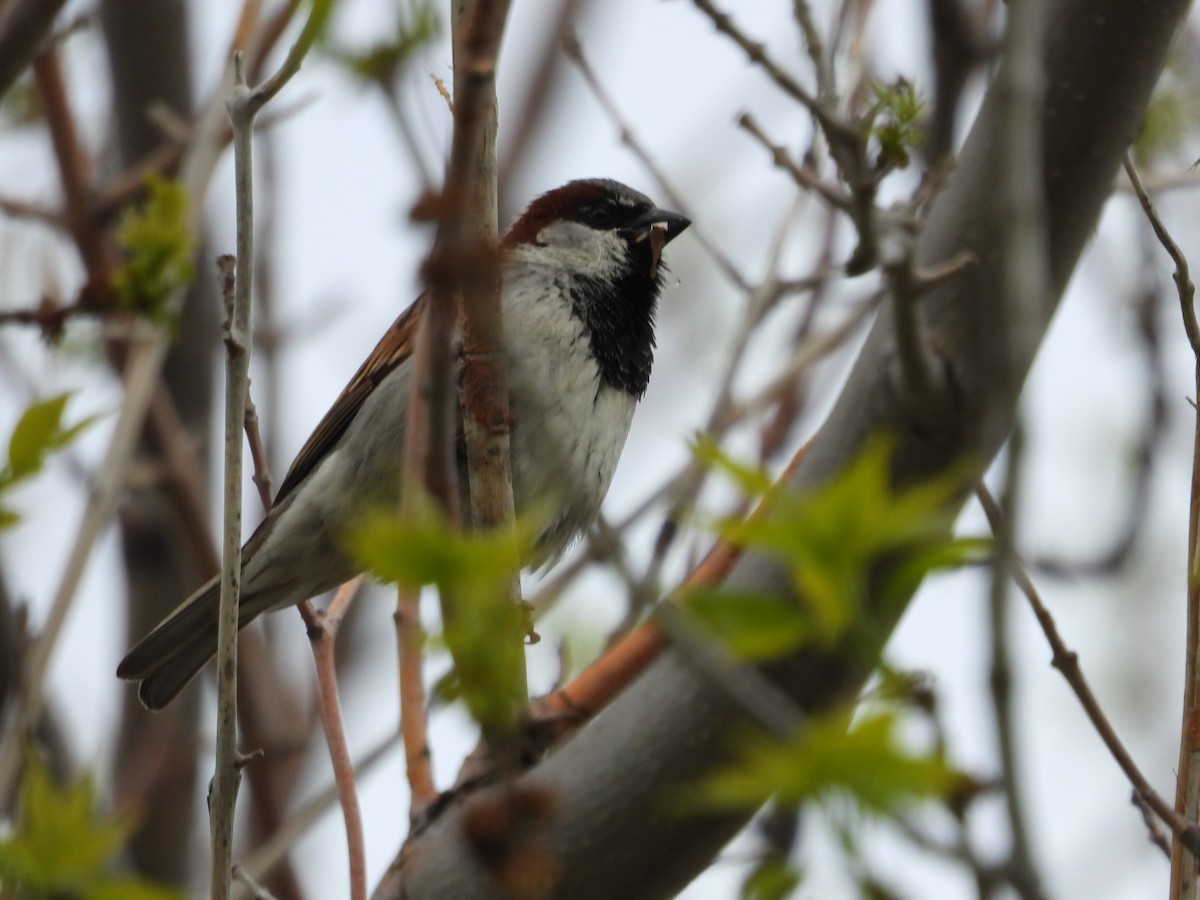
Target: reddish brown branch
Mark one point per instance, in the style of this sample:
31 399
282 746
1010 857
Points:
462 260
72 163
323 637
410 645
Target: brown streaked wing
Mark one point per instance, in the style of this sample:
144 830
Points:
394 348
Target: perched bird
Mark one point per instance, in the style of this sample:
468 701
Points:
580 280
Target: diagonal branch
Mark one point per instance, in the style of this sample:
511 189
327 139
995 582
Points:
1067 662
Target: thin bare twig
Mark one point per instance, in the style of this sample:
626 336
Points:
258 454
257 891
273 851
758 55
822 64
73 167
574 52
26 209
758 697
1147 306
223 794
544 81
1182 273
48 317
243 104
1187 782
804 176
1067 662
1025 879
1153 831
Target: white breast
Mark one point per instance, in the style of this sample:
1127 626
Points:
569 427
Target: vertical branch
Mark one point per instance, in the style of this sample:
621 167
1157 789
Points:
463 261
1023 873
223 798
323 638
1184 882
459 255
243 105
484 390
414 731
1184 868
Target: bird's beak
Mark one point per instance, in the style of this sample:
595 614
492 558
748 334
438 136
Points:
670 224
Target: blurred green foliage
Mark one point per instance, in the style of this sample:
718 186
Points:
852 541
21 105
852 536
61 848
482 627
158 243
831 756
771 879
894 120
38 433
417 24
1170 123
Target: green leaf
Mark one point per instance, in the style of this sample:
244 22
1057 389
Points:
771 879
825 759
59 844
482 627
753 481
416 553
34 436
1169 125
836 541
61 847
895 122
935 556
159 244
21 104
753 627
37 433
129 889
414 28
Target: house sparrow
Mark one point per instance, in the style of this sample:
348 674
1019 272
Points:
580 278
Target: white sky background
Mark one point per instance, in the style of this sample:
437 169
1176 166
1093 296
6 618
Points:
347 263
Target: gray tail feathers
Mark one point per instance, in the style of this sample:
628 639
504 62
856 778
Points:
166 659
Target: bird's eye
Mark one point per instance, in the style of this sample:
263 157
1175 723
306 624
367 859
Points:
601 216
